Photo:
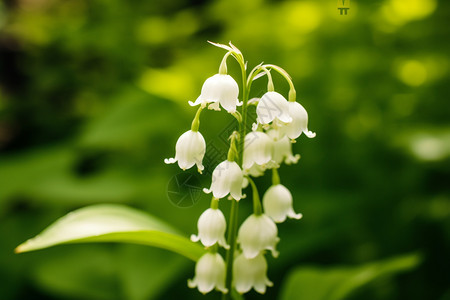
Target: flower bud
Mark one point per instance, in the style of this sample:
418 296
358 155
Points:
299 122
257 149
258 233
227 179
220 88
277 203
250 273
273 106
211 228
189 150
209 274
282 149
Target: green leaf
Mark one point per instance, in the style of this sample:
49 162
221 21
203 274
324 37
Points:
113 223
314 283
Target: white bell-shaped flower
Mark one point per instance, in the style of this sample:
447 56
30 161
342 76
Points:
189 150
250 273
258 233
211 228
257 149
273 106
277 203
299 122
209 274
220 88
227 178
282 149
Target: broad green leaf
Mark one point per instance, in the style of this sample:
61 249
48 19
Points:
112 223
314 283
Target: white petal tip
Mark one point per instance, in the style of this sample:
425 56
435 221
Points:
170 160
296 216
200 168
192 103
195 238
310 134
206 191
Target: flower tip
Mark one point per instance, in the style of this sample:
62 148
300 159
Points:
195 238
310 134
206 191
170 160
191 283
297 216
200 168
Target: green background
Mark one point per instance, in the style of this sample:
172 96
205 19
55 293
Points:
93 97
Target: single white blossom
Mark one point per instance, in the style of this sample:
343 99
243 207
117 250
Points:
227 178
258 233
299 122
250 273
209 274
211 228
255 171
257 149
273 106
282 149
220 88
189 150
277 203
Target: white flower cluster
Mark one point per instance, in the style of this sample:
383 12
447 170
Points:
279 122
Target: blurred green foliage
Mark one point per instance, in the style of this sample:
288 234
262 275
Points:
93 96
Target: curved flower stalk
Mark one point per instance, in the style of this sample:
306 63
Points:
258 233
209 274
250 273
211 228
227 179
189 150
299 122
257 149
277 203
220 88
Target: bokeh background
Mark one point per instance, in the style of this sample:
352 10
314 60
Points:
93 96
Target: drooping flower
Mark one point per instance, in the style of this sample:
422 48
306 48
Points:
209 274
257 149
211 228
189 150
220 88
227 179
250 273
282 149
255 171
273 106
299 122
258 233
277 203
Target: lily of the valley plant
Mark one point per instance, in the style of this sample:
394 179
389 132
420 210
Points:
279 122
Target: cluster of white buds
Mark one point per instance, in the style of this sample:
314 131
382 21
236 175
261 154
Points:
279 122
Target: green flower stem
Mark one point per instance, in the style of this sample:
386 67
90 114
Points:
275 177
257 210
196 122
233 221
214 203
292 92
232 152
